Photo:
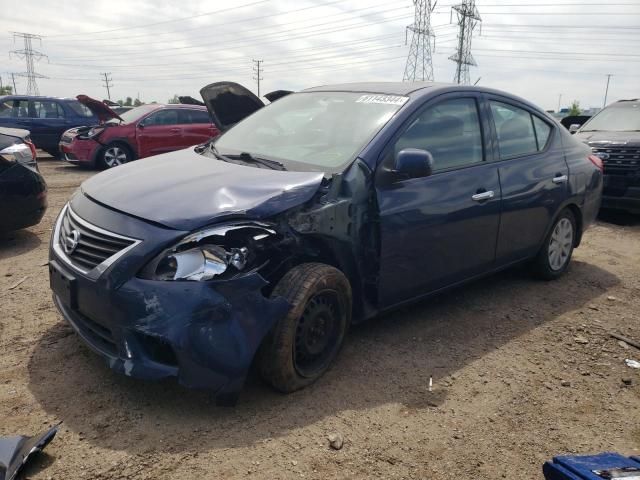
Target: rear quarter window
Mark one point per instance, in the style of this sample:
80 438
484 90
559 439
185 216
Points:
543 132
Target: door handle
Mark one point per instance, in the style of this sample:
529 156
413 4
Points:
560 179
481 196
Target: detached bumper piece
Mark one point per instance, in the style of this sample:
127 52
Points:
604 466
16 451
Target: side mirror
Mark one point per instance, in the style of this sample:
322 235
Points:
574 127
413 163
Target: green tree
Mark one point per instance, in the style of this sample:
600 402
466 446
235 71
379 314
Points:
137 102
6 90
128 102
120 102
174 99
575 109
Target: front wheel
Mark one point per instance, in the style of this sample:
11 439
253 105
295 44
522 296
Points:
300 347
114 155
554 256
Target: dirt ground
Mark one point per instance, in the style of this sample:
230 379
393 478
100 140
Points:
523 370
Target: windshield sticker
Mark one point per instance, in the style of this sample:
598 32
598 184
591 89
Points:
385 99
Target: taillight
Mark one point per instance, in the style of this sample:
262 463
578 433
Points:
597 161
32 147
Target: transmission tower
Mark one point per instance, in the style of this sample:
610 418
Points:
468 18
107 83
420 60
29 54
257 68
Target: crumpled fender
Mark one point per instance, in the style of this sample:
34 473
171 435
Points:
215 328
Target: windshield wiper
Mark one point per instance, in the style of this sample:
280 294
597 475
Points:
248 158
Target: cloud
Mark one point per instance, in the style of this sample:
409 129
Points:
538 50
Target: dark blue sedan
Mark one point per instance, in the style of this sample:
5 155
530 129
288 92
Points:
322 209
46 118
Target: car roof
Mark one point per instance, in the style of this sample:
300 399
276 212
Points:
389 88
35 97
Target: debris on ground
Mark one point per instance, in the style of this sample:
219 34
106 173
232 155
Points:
626 340
18 283
16 451
336 441
632 363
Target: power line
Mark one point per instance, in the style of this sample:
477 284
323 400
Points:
419 64
29 54
107 83
468 18
256 70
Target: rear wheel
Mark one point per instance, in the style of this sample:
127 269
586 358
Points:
301 347
113 155
554 256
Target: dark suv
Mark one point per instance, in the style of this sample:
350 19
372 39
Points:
46 118
614 136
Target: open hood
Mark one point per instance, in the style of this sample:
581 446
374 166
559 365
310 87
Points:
184 190
276 94
228 103
99 109
187 100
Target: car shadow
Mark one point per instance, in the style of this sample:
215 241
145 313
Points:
17 243
385 361
618 217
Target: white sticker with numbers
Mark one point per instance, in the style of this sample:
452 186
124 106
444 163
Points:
385 99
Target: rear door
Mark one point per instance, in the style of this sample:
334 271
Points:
160 132
47 122
196 126
533 176
439 230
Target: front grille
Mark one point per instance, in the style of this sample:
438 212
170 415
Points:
85 245
621 160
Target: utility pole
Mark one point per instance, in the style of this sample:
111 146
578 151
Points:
258 71
107 83
13 79
606 92
468 18
559 100
419 64
29 54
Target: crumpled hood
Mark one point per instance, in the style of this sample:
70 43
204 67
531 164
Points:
631 139
185 190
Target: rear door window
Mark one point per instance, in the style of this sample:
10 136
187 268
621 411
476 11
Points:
47 109
514 126
194 116
450 131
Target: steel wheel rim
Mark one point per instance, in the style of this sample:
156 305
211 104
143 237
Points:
317 334
115 156
560 244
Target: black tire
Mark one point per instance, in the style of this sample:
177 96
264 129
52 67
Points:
113 155
548 266
300 348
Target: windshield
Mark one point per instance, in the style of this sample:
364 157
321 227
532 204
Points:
620 117
135 113
319 131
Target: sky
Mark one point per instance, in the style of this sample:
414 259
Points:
548 51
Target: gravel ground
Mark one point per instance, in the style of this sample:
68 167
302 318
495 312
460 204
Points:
522 370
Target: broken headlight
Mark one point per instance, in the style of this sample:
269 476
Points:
220 252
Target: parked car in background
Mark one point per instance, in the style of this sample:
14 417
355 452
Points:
23 191
614 136
574 122
322 209
140 132
46 118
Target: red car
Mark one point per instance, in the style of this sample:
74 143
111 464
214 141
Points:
140 132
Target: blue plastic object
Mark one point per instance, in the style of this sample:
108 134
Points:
604 466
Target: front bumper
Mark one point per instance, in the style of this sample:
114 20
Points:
79 151
203 333
622 193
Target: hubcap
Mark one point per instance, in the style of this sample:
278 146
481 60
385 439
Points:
115 156
560 244
317 333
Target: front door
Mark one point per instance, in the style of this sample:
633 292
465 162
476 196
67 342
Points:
441 229
160 132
